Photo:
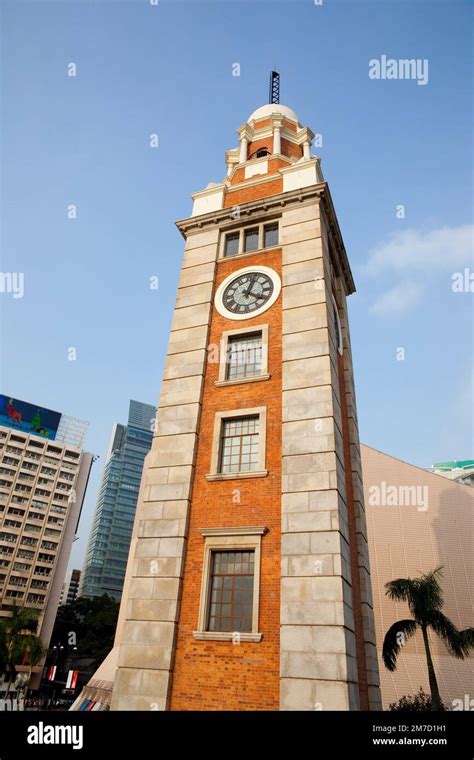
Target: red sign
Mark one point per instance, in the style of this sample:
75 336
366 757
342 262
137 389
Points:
52 673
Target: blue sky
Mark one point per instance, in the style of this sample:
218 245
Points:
167 69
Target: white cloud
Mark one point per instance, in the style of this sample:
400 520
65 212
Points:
398 299
411 254
412 250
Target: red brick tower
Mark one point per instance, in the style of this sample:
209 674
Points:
248 585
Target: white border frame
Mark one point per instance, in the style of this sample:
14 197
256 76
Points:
275 277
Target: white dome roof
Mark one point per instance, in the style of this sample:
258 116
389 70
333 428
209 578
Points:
264 111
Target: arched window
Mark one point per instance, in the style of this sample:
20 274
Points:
260 153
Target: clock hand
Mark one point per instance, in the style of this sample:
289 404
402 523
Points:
250 284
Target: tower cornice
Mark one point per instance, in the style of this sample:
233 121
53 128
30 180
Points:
245 131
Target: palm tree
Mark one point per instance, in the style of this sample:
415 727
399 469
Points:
19 644
424 597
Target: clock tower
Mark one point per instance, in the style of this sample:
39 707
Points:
248 582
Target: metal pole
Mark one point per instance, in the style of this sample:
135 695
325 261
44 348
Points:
274 92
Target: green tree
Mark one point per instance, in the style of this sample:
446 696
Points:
419 702
424 597
19 643
89 626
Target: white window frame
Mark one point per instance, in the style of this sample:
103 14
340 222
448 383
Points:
224 347
241 231
261 472
229 539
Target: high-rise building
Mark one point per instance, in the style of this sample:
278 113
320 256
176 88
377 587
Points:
70 587
43 478
248 582
109 540
418 521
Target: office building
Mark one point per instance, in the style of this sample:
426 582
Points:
43 478
70 587
109 540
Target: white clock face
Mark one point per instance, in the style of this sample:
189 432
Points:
247 292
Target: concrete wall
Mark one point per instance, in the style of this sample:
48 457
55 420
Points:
318 632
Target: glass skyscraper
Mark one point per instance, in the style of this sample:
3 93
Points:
109 541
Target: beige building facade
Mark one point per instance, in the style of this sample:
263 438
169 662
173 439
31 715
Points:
418 521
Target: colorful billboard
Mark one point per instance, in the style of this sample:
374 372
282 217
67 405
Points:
29 418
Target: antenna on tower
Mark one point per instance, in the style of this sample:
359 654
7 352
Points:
274 94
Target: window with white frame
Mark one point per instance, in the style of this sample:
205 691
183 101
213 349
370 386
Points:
231 584
232 244
252 238
243 355
230 587
270 235
238 444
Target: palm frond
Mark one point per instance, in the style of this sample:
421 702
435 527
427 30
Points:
467 636
18 641
22 619
400 590
27 650
447 631
422 594
431 593
394 639
458 643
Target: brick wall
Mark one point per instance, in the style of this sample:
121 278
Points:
219 675
274 164
261 124
290 149
253 192
264 142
